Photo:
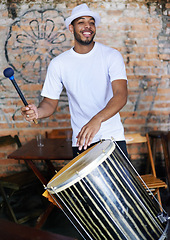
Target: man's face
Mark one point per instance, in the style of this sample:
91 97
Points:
84 29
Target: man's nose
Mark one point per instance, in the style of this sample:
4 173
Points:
87 25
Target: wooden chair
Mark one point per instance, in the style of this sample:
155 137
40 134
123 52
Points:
60 133
14 183
151 180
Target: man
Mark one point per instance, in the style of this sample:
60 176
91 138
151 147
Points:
95 80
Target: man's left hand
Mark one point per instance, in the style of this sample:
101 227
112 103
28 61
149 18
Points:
88 132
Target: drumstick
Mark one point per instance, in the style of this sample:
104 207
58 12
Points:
9 73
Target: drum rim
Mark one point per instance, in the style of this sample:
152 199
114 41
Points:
164 234
85 171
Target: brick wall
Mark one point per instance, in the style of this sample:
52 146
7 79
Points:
33 32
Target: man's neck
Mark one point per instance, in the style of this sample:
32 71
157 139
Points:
83 49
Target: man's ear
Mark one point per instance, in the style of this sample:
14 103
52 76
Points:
71 28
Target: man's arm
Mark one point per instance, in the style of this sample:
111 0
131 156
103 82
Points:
45 109
115 104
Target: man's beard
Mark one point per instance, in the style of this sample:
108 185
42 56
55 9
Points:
83 42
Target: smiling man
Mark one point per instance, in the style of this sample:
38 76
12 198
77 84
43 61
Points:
95 79
84 31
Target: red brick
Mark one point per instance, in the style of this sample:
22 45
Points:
7 161
134 121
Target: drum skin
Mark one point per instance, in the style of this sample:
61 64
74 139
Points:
102 196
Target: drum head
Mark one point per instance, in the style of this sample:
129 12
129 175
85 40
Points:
81 166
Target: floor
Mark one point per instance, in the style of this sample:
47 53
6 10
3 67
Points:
57 221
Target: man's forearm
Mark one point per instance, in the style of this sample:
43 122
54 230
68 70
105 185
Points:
116 103
112 108
47 107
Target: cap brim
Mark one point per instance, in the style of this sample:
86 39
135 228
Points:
96 17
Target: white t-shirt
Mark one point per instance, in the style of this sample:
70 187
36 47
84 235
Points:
87 79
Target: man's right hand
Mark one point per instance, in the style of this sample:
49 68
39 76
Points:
30 112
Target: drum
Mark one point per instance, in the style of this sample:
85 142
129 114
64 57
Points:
101 195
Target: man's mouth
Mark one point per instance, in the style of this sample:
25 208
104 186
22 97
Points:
87 33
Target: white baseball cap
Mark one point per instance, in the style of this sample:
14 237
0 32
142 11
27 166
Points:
82 10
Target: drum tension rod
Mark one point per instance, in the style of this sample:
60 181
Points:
163 218
46 188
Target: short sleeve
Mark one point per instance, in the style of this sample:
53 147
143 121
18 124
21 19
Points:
116 66
53 86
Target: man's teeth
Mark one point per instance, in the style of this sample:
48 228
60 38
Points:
87 33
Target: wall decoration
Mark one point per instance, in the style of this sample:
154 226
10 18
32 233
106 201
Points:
33 40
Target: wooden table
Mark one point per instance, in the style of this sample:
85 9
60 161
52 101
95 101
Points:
53 149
